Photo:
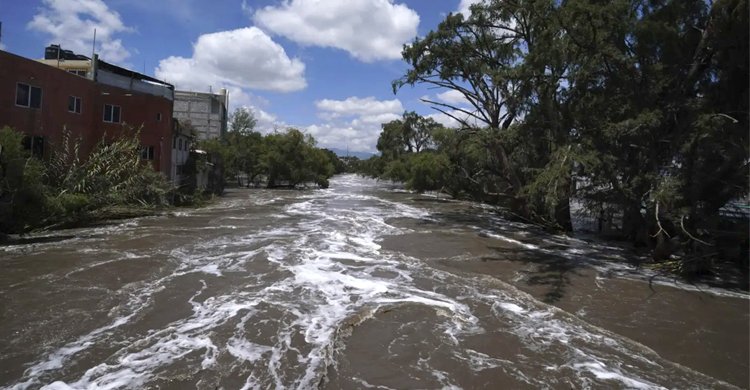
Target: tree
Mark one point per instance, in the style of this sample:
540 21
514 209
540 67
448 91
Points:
480 57
242 156
410 134
634 105
292 158
242 121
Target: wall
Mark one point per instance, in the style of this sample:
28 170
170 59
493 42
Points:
206 112
138 110
116 80
180 153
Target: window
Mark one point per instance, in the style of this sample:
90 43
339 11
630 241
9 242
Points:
174 142
147 152
111 113
158 117
28 96
179 143
74 104
35 145
78 72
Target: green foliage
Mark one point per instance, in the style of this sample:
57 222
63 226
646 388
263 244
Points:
22 192
67 188
410 134
644 106
428 172
292 158
282 159
242 121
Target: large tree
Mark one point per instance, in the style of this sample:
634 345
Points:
482 58
642 104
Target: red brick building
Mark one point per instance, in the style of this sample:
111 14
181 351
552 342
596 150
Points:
40 100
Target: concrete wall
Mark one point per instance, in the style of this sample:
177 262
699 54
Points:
207 113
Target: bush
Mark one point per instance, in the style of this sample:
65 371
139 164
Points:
67 189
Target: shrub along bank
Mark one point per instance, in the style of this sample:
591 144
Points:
67 190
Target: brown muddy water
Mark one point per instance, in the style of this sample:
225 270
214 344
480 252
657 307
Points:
358 286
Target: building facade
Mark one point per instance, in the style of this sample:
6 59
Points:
40 100
181 144
206 113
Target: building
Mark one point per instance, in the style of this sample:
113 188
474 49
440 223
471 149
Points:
206 113
89 97
181 144
77 64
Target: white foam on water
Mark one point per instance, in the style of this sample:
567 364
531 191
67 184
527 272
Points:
602 372
327 256
480 361
247 351
512 307
510 240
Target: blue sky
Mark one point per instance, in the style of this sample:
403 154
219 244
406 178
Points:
323 66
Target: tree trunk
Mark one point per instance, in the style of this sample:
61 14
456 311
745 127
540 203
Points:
562 214
634 227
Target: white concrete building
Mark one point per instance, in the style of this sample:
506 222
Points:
207 113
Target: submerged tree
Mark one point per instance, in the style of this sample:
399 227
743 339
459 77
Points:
635 105
482 59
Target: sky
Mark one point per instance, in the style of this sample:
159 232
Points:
322 66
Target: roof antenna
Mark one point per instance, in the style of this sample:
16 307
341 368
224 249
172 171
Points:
93 45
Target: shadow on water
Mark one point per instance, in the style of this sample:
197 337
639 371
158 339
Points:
25 240
551 272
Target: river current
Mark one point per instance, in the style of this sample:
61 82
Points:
358 286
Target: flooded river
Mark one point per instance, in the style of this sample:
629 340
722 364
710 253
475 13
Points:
358 286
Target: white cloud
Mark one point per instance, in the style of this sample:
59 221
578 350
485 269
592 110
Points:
369 30
243 58
71 23
453 97
447 121
354 122
444 120
267 122
2 46
463 7
246 8
355 106
376 119
345 137
501 32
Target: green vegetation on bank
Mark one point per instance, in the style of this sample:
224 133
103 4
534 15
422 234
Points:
67 189
279 159
636 110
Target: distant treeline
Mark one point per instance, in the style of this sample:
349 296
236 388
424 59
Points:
288 158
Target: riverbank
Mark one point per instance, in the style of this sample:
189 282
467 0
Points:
102 217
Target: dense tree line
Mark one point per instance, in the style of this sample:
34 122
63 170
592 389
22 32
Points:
638 109
287 159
